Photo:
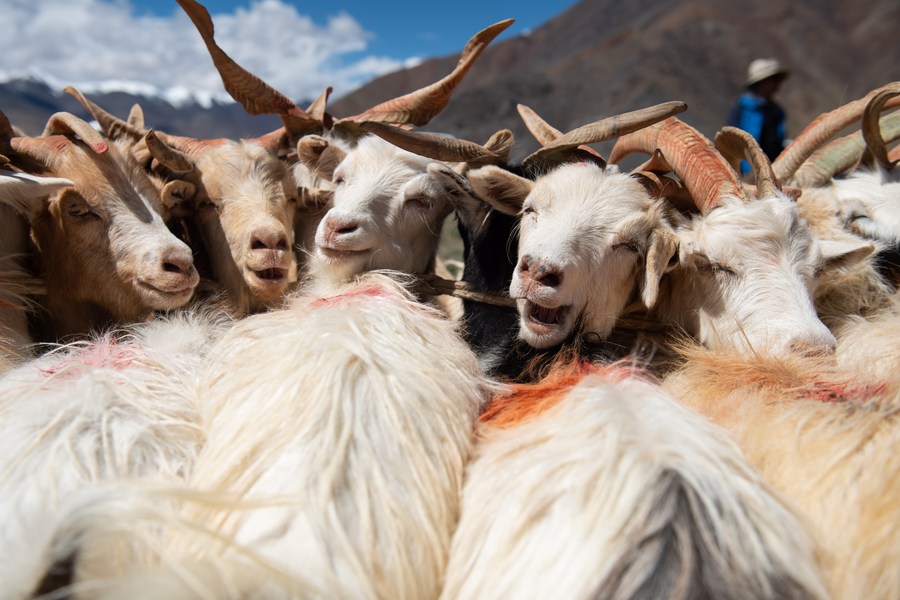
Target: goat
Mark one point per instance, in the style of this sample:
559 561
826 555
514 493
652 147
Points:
385 210
595 483
344 472
866 198
745 269
122 406
814 431
235 194
105 253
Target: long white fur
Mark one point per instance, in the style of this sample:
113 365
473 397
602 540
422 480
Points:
120 407
338 431
618 492
835 457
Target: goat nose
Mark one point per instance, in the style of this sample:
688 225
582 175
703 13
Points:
178 261
269 240
540 272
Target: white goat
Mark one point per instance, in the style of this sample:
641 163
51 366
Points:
343 473
610 489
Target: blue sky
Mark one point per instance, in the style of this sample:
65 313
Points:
298 46
401 28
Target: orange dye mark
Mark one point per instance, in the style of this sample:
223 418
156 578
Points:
824 391
524 402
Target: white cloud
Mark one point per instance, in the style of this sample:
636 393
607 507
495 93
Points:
96 45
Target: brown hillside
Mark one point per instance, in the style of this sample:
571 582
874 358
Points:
606 56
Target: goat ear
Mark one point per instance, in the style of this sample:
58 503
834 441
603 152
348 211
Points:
690 254
178 199
843 254
662 254
501 189
313 200
28 193
470 210
319 155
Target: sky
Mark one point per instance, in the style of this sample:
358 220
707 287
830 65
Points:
298 46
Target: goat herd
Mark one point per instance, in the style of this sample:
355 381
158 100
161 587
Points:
231 369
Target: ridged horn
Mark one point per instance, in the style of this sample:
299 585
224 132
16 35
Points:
420 106
605 129
822 129
63 123
112 126
736 144
42 149
872 129
255 95
843 154
431 145
705 173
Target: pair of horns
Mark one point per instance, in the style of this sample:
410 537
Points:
258 97
705 173
826 126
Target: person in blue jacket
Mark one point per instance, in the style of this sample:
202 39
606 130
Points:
757 113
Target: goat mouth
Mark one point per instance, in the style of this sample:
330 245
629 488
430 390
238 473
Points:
335 254
166 298
544 319
272 275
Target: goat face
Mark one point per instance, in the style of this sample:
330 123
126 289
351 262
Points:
387 212
247 221
750 277
582 237
103 240
870 204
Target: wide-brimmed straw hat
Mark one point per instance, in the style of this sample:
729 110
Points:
763 68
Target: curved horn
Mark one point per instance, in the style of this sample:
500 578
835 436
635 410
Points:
546 134
822 129
737 144
705 173
255 95
431 145
317 109
112 126
605 129
168 156
871 129
419 107
843 154
192 147
42 149
63 123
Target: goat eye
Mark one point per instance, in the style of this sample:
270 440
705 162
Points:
720 269
528 210
338 180
82 212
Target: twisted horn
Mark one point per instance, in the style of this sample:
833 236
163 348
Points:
871 129
822 129
605 129
736 144
63 123
843 154
255 95
419 107
705 173
113 127
42 149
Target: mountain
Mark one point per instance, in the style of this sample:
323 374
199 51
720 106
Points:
598 58
603 57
